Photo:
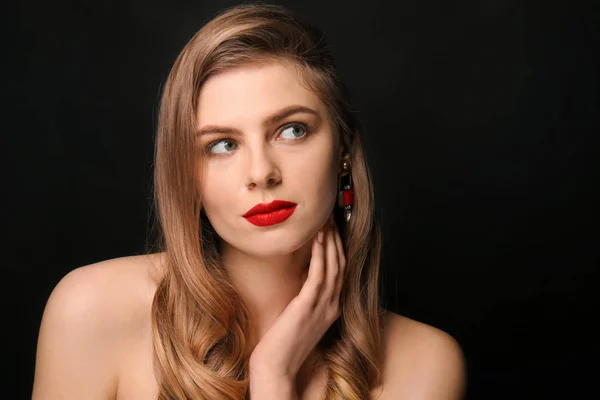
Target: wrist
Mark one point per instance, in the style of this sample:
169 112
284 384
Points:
267 370
267 375
268 384
271 387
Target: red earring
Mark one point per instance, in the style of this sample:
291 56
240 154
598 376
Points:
345 194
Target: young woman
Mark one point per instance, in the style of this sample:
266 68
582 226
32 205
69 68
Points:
265 284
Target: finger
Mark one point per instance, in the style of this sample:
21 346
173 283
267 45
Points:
316 273
339 246
342 264
331 266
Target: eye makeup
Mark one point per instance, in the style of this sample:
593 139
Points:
306 128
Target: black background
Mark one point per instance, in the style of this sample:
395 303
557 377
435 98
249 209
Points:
482 123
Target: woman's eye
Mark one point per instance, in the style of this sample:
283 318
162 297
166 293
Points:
296 131
224 146
221 144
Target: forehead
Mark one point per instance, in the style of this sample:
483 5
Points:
251 92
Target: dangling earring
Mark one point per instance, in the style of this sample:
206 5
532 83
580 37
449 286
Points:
345 194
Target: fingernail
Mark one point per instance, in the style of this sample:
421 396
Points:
320 236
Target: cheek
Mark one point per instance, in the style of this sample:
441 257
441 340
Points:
318 177
215 191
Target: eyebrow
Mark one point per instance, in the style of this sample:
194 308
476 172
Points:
273 119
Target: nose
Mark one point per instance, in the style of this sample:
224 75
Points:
262 170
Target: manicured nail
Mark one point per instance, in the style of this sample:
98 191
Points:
320 236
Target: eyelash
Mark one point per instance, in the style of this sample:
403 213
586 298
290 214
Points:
208 147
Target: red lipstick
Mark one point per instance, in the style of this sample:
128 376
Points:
266 214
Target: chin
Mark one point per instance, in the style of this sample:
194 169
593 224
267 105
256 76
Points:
281 245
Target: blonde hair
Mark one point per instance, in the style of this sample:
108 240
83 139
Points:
199 321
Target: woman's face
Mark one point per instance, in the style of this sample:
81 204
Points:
256 152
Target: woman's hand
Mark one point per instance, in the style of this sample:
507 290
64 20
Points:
296 332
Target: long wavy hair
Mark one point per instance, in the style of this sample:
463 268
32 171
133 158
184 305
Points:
199 322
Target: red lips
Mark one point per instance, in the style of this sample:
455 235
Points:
265 208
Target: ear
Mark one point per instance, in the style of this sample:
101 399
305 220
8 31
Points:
341 148
340 157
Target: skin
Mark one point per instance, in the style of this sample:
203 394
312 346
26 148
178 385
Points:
259 164
95 339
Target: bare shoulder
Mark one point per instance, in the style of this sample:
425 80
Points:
420 362
85 325
112 289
